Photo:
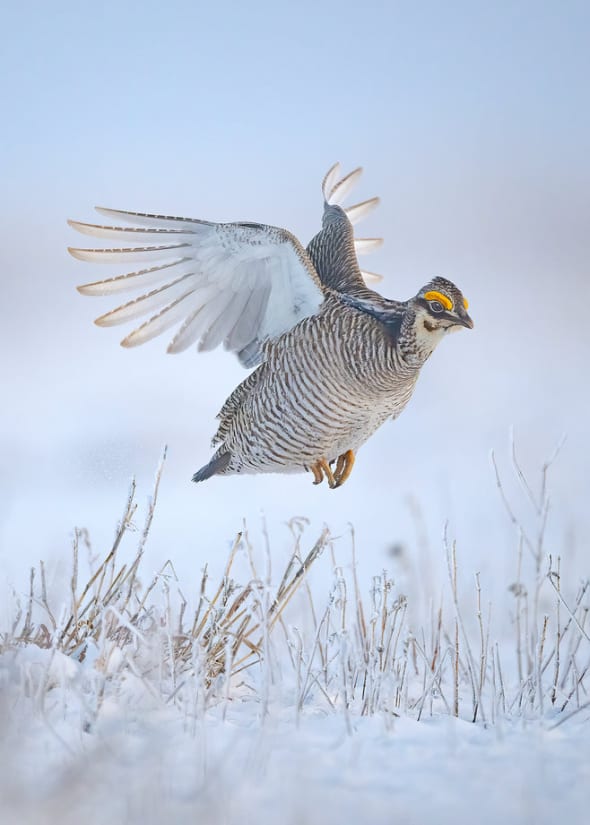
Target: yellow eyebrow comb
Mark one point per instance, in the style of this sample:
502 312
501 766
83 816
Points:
438 296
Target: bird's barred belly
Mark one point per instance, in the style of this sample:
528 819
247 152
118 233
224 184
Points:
290 430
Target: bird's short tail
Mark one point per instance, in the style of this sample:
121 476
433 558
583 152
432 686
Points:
217 465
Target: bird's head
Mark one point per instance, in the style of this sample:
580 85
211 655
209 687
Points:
440 307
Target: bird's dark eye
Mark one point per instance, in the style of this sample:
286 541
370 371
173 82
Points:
436 306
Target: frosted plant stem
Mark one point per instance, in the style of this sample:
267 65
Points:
434 681
482 644
539 679
518 595
575 641
74 578
571 615
28 625
501 679
344 674
522 477
316 646
577 680
266 607
298 667
452 570
508 508
568 716
557 577
44 600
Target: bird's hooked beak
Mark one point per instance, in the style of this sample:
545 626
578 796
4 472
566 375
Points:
465 320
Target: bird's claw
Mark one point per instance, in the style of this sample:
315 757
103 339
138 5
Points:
344 464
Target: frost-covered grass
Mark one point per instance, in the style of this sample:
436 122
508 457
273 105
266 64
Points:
126 698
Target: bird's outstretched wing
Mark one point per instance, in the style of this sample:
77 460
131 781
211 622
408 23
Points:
334 249
239 284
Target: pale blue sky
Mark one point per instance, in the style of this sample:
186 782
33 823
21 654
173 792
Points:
473 123
154 92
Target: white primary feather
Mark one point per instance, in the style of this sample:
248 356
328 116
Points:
371 277
153 301
341 189
366 245
135 280
126 255
132 233
360 211
151 220
329 180
233 283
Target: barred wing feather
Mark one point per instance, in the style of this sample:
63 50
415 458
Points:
335 249
233 283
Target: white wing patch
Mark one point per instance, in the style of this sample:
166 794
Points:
236 284
232 284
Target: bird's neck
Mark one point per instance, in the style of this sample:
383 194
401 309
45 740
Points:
415 343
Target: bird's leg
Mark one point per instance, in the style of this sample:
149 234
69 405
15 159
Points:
320 469
344 467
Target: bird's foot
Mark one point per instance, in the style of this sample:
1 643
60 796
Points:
321 469
344 467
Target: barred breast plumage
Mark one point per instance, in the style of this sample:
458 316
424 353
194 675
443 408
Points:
336 360
313 396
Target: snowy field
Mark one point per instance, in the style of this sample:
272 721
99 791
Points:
274 693
144 764
428 662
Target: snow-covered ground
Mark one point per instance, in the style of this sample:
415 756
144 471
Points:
144 764
407 700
